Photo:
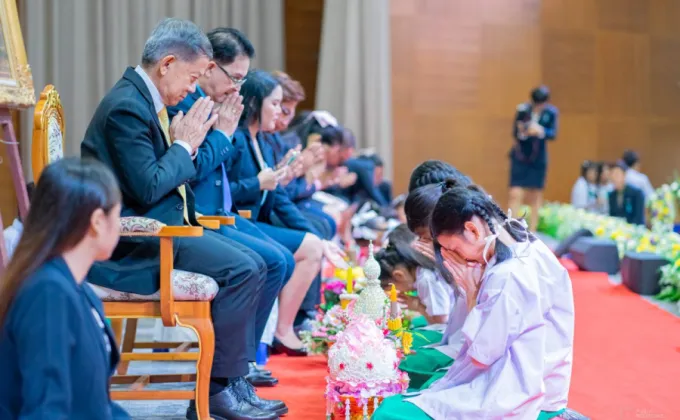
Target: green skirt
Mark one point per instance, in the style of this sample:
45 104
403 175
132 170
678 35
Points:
396 408
424 362
422 365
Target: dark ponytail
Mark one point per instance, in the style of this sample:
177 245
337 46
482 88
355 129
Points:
434 172
458 205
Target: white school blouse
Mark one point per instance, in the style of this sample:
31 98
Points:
433 292
521 332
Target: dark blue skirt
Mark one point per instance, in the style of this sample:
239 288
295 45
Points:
530 175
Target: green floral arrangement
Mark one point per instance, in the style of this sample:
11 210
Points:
662 206
561 220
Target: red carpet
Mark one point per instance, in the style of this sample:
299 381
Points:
626 360
302 381
626 354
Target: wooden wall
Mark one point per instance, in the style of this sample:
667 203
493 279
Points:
303 20
460 67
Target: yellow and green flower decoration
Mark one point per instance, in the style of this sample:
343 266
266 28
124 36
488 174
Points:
561 220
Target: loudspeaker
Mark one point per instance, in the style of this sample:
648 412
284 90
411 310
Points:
640 272
566 244
596 254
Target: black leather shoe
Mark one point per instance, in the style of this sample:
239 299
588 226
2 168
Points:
253 369
247 392
279 347
261 381
230 405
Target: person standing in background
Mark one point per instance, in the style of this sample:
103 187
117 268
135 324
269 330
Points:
535 124
633 175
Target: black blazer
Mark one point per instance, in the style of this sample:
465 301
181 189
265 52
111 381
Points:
126 135
631 207
54 363
245 187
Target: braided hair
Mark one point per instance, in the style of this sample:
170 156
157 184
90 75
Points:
459 204
399 252
434 171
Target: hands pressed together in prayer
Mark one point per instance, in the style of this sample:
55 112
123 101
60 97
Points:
229 113
467 275
193 126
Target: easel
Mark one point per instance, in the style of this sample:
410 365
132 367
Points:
14 158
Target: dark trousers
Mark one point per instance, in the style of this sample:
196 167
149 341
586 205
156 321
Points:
240 274
280 265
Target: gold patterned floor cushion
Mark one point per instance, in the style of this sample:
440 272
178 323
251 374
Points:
139 226
185 285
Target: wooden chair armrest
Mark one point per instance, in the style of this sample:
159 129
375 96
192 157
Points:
222 220
209 224
246 214
180 231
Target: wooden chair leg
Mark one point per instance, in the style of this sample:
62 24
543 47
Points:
128 344
203 327
117 327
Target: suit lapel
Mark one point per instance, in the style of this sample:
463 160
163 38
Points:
131 75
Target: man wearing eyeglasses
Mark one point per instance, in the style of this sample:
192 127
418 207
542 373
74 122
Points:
221 82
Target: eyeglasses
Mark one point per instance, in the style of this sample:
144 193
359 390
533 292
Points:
237 82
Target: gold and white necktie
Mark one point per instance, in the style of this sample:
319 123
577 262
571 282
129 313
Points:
165 125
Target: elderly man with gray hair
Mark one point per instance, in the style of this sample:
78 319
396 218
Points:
153 160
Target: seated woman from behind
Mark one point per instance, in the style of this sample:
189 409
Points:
517 356
56 351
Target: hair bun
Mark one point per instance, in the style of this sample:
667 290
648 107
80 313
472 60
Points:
450 184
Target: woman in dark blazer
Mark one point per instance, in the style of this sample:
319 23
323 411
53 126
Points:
57 353
534 126
254 186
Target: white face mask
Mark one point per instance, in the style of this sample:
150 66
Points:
509 221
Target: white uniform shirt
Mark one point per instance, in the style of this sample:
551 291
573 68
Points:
521 331
433 292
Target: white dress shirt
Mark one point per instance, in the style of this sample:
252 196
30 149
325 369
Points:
159 105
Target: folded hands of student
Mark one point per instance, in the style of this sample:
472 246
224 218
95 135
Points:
467 275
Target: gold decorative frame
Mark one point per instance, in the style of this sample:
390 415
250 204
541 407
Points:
16 87
49 106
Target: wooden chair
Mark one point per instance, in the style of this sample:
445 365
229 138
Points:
183 299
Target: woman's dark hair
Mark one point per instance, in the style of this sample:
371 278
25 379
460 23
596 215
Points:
68 192
301 127
586 166
258 85
432 172
331 136
399 251
458 205
419 205
540 95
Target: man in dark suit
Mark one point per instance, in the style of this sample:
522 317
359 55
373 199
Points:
625 200
130 133
221 82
